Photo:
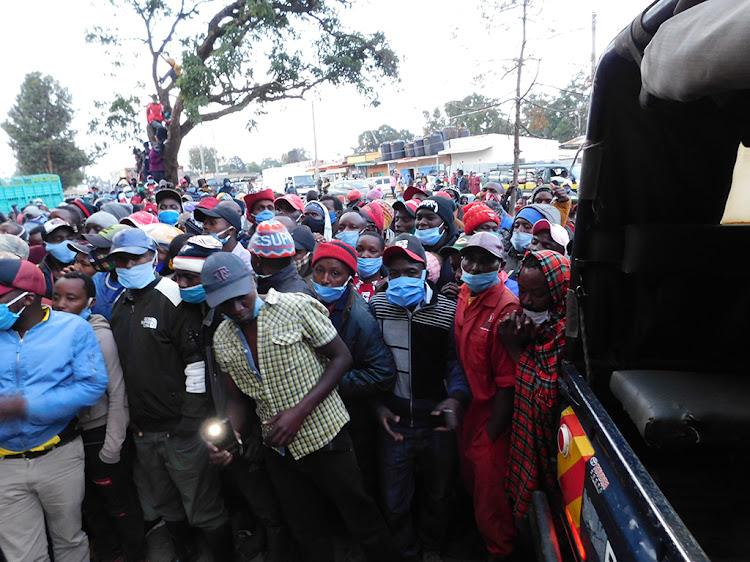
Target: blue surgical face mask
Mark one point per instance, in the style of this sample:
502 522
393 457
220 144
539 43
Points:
430 236
61 252
8 318
194 294
264 216
520 240
169 217
367 267
217 236
85 313
349 237
332 214
258 304
479 282
137 277
329 294
406 291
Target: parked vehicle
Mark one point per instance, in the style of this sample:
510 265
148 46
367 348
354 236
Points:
342 187
654 430
20 190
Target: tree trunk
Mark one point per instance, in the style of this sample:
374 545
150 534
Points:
50 169
175 133
517 124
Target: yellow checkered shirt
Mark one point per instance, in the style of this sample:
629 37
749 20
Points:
291 326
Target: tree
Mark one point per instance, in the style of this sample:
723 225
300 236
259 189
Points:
369 141
233 165
478 113
254 168
295 155
39 130
270 163
249 52
563 116
209 159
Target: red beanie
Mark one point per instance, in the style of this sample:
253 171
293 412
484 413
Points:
336 249
476 214
375 213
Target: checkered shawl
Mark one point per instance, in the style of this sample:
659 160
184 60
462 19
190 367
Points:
291 326
531 462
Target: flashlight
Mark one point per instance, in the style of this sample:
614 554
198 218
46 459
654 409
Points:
220 434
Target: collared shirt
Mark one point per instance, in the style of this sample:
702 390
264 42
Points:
242 252
291 327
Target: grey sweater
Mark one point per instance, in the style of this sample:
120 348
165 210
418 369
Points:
112 408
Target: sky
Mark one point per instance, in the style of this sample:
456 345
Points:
447 49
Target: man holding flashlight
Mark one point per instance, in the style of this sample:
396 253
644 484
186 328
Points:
273 351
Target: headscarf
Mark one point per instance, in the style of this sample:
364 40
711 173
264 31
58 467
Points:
322 210
531 463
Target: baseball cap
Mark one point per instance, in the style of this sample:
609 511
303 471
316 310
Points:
488 242
22 275
303 238
32 211
81 246
409 206
140 219
14 245
407 245
53 224
252 198
457 246
103 239
225 276
294 200
353 195
223 210
166 193
411 191
556 232
132 241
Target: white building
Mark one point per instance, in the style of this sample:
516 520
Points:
484 152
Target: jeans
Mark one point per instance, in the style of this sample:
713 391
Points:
113 516
182 480
431 455
330 475
49 487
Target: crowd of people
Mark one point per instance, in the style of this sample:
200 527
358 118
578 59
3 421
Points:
307 371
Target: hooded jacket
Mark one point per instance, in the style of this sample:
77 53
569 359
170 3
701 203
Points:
285 281
112 408
158 342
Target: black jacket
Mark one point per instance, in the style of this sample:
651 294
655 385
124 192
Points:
157 340
424 348
285 281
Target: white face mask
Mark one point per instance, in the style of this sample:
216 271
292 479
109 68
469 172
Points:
537 317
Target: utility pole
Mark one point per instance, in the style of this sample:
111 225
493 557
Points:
593 45
315 146
203 161
517 125
216 154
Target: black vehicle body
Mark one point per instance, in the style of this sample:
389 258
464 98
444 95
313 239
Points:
656 373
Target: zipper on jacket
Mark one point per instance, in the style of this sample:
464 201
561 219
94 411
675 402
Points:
18 384
411 391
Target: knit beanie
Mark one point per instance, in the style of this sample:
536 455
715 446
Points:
374 194
101 219
476 214
441 206
338 250
433 266
374 213
387 212
195 252
272 240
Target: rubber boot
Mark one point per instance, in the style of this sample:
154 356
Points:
220 543
185 549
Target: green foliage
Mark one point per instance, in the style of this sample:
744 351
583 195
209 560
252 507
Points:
561 117
234 165
478 113
209 158
369 141
39 130
295 155
254 168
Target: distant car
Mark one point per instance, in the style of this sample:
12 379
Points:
383 182
342 187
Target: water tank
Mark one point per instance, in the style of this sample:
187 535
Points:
450 133
463 132
409 150
419 147
435 143
397 150
385 151
427 146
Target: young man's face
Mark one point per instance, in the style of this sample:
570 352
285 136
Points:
127 261
522 225
542 240
426 219
402 266
239 310
284 208
533 290
477 261
216 225
330 272
543 197
489 226
403 222
352 221
83 264
369 247
60 235
186 279
169 204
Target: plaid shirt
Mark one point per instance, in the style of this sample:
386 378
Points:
291 326
531 461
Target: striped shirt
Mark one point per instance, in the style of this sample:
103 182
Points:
291 326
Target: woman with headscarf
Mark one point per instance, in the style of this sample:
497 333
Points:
536 339
318 220
436 229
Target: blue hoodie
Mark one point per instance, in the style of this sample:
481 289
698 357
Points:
58 368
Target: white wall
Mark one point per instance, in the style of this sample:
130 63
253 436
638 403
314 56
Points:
500 151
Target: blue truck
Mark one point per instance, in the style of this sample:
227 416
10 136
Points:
21 190
653 439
